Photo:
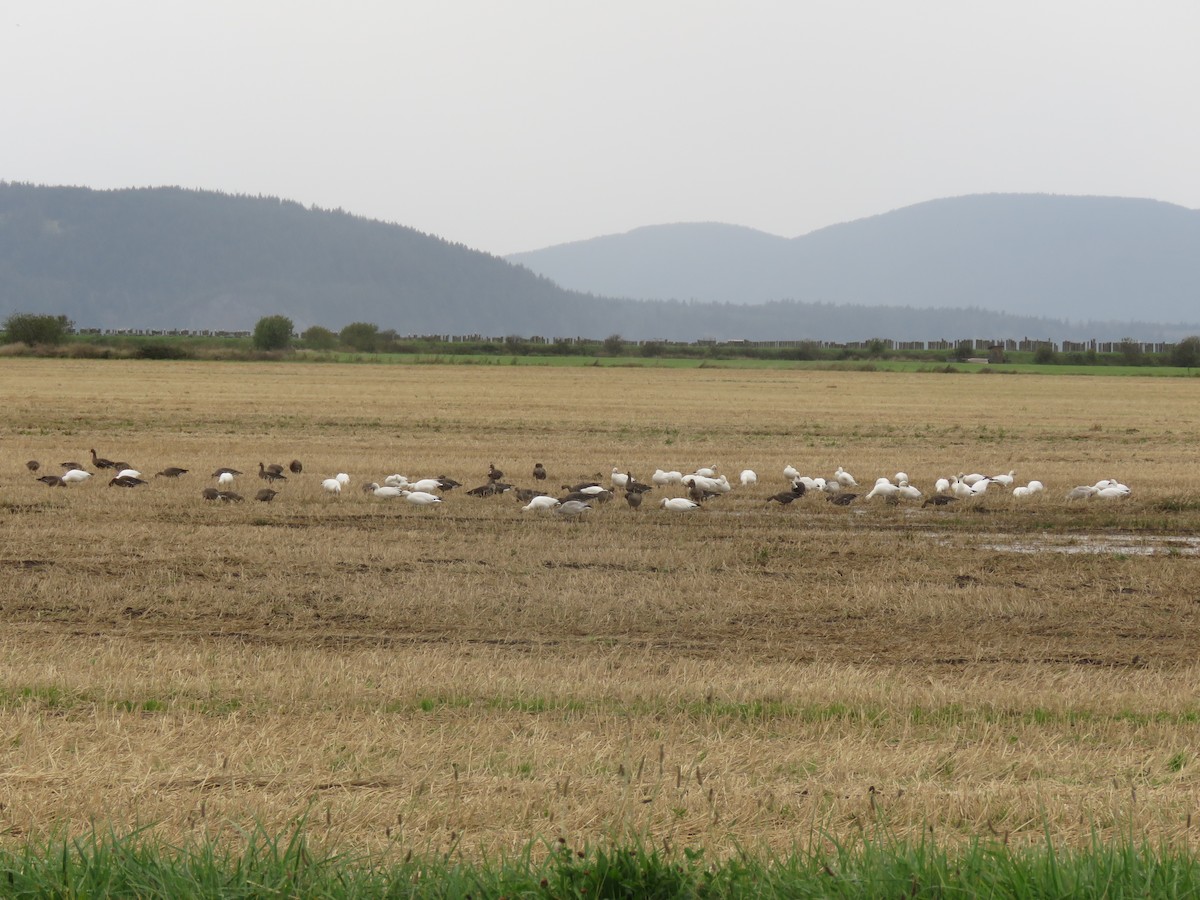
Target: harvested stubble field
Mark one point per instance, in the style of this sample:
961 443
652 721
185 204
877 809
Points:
476 677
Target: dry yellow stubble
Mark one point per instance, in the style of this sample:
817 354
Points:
741 676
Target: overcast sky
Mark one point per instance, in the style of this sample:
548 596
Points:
512 126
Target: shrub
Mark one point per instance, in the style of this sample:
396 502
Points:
360 336
32 328
318 338
1186 353
273 333
162 351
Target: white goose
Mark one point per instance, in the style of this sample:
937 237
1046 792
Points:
538 504
421 498
679 504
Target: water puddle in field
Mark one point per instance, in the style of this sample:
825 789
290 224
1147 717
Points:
1122 544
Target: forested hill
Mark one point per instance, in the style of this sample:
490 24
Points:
1065 257
173 258
168 258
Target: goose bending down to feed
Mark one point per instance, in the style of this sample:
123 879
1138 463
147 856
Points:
127 481
342 478
225 479
421 498
331 486
171 472
210 493
225 470
52 481
783 498
790 472
884 489
229 497
572 509
576 495
33 465
663 478
939 500
907 491
272 472
841 498
540 503
1082 492
425 485
679 504
295 467
447 483
387 492
75 476
266 495
748 477
129 473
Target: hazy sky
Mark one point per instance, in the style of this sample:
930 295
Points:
512 126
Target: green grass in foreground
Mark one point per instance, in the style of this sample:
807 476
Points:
263 866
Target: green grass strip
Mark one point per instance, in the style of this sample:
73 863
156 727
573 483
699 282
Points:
138 865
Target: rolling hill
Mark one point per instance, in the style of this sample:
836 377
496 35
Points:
1074 258
169 258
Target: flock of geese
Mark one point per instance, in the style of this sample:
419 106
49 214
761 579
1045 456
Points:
574 500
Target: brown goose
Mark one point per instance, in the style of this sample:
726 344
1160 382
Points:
494 474
638 487
171 472
210 494
939 500
539 471
52 481
225 470
230 497
33 465
446 483
127 481
71 465
633 498
101 463
783 498
272 472
266 495
841 499
295 467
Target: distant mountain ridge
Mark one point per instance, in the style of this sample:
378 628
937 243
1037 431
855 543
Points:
169 258
1064 257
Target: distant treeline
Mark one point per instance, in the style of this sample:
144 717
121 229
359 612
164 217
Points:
368 338
574 343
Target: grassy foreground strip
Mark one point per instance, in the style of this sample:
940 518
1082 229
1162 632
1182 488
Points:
137 865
